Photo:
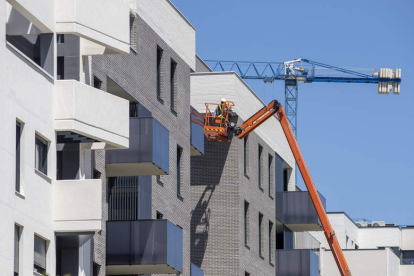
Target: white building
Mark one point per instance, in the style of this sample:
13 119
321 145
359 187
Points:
374 248
41 111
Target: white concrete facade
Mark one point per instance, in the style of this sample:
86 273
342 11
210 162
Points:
28 96
371 250
172 27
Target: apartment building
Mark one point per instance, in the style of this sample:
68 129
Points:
248 217
146 197
50 202
371 248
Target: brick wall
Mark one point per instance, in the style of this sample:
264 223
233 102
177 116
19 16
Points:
136 74
219 189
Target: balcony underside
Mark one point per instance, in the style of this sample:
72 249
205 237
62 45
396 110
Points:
133 169
140 269
302 227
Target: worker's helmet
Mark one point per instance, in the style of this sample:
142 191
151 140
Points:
223 100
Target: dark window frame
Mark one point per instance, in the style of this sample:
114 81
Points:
173 86
246 156
179 170
246 224
37 267
261 236
19 130
160 53
260 167
271 176
41 154
271 243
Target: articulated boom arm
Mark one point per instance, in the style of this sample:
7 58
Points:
255 121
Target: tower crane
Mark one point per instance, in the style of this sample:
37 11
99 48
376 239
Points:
219 128
308 71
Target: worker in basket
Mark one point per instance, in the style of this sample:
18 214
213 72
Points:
219 110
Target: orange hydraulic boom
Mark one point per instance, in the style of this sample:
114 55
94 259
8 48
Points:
251 124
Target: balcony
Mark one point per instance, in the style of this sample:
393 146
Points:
296 211
104 24
143 247
197 133
84 111
77 205
148 152
297 262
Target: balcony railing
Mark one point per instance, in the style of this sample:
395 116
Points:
103 24
143 247
84 111
148 152
296 211
77 205
301 262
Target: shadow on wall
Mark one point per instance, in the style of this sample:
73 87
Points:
206 170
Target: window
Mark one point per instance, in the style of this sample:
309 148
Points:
173 86
159 180
97 83
60 68
17 233
246 155
179 154
60 38
246 273
159 72
246 224
271 243
160 215
34 46
261 235
41 154
407 257
285 179
40 246
270 176
18 164
259 169
123 201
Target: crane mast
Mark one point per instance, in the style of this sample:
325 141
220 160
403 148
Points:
217 127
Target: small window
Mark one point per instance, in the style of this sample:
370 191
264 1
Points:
60 68
260 166
271 243
159 180
18 155
41 154
96 174
407 257
261 249
173 86
246 273
270 176
246 155
17 234
179 169
160 215
60 38
40 246
159 73
285 180
246 224
97 83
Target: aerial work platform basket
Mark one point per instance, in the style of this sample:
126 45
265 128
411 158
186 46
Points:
217 121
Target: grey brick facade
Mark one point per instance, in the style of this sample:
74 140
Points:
136 74
219 189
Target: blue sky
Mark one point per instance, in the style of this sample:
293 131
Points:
358 145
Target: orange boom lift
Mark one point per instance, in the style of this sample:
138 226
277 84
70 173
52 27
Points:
217 127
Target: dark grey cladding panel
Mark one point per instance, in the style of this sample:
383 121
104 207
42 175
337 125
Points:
196 271
296 208
278 173
148 143
197 131
144 242
297 262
